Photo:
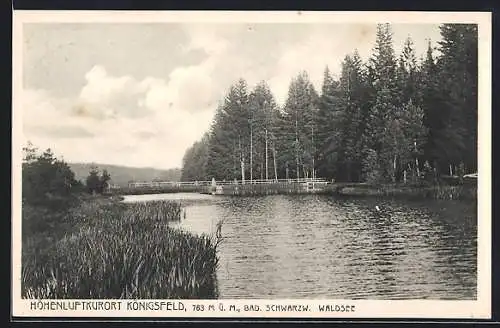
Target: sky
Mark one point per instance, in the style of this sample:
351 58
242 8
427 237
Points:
140 94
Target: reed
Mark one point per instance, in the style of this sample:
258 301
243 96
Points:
123 251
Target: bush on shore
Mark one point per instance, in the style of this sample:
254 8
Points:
421 191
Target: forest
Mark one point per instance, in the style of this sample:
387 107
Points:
392 118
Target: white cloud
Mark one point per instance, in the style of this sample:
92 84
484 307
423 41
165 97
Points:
320 48
174 115
207 38
148 122
101 87
328 46
151 121
190 88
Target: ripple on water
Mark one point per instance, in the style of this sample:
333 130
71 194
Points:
320 247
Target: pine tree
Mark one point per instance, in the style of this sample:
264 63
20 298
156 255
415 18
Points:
263 132
383 61
407 74
328 123
230 136
375 123
220 158
93 182
431 103
382 76
458 76
194 167
44 178
352 95
300 111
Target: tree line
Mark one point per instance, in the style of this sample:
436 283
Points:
389 119
49 182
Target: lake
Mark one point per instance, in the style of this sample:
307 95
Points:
315 246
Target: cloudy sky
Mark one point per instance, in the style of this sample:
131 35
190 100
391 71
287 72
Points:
141 94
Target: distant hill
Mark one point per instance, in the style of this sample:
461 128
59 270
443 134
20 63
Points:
121 175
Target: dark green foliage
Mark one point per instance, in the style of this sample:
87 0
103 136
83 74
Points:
49 191
299 121
194 166
458 71
408 75
95 183
411 191
371 167
46 180
329 120
104 180
264 133
380 121
229 136
354 119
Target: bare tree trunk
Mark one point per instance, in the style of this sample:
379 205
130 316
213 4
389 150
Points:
297 149
242 159
235 162
243 170
267 170
394 169
416 161
251 153
275 168
313 151
298 169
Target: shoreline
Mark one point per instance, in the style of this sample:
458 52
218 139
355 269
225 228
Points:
436 192
463 191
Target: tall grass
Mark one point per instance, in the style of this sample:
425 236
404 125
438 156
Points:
123 251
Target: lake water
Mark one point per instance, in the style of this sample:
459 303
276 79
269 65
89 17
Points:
313 246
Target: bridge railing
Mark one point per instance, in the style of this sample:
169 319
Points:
165 184
168 184
268 181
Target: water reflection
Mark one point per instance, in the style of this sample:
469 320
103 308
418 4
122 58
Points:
321 247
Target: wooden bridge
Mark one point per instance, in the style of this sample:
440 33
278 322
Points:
235 187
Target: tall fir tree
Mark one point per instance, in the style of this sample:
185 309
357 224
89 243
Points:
377 122
300 111
352 86
459 80
328 123
263 133
194 162
382 76
407 74
229 138
431 103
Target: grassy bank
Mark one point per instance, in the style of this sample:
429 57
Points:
444 191
106 249
155 190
